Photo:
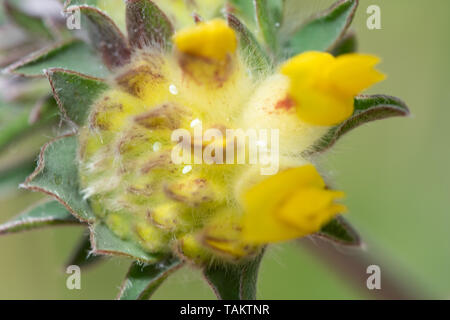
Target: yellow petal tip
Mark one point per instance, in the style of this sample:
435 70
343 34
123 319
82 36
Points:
213 39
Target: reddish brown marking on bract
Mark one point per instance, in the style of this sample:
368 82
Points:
285 104
134 79
206 71
155 163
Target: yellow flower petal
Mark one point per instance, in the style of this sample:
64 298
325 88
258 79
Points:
352 73
323 108
212 40
310 208
191 248
289 205
323 87
300 68
222 234
225 247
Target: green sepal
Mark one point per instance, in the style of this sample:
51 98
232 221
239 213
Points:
82 255
147 25
244 9
276 8
323 31
106 37
143 280
73 55
367 108
75 93
347 44
255 56
266 23
30 24
105 242
50 213
57 175
234 281
340 231
115 11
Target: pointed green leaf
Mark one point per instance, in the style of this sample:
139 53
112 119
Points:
113 8
256 57
340 231
75 93
142 280
74 55
42 215
234 281
348 44
367 108
105 242
147 25
82 256
57 175
33 25
244 9
389 105
323 31
16 120
106 37
43 110
267 24
276 8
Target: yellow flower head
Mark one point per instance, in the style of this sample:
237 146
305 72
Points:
323 87
198 209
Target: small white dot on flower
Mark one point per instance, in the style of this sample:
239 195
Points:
157 146
195 123
261 143
173 89
187 169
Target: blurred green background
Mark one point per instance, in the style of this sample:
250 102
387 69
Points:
395 173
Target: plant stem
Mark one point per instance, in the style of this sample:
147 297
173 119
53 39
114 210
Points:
352 264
